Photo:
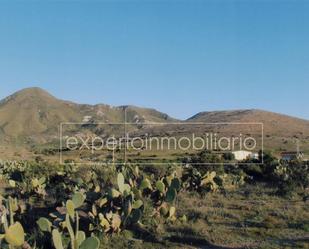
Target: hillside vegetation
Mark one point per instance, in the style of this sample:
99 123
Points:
44 205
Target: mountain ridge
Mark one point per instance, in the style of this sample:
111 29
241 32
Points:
33 111
41 91
240 111
33 115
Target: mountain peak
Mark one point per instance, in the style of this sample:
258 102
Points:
27 94
32 91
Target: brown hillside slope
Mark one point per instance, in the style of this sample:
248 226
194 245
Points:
280 131
34 114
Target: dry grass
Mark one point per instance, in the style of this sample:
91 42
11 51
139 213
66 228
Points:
243 219
248 218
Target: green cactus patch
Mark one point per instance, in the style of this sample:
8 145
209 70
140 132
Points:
80 237
57 240
70 208
136 215
145 184
160 186
90 243
137 204
120 182
78 199
15 235
44 224
176 184
171 195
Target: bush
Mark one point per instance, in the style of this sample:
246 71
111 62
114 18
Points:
228 156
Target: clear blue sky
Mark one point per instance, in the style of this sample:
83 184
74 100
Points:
180 57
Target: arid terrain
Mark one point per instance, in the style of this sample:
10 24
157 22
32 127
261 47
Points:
30 120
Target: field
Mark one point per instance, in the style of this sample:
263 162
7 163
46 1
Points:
246 218
45 205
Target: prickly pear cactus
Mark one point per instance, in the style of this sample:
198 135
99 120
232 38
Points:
15 235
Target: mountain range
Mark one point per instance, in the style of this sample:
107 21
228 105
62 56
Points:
32 116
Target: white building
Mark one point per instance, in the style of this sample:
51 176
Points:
86 119
244 154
